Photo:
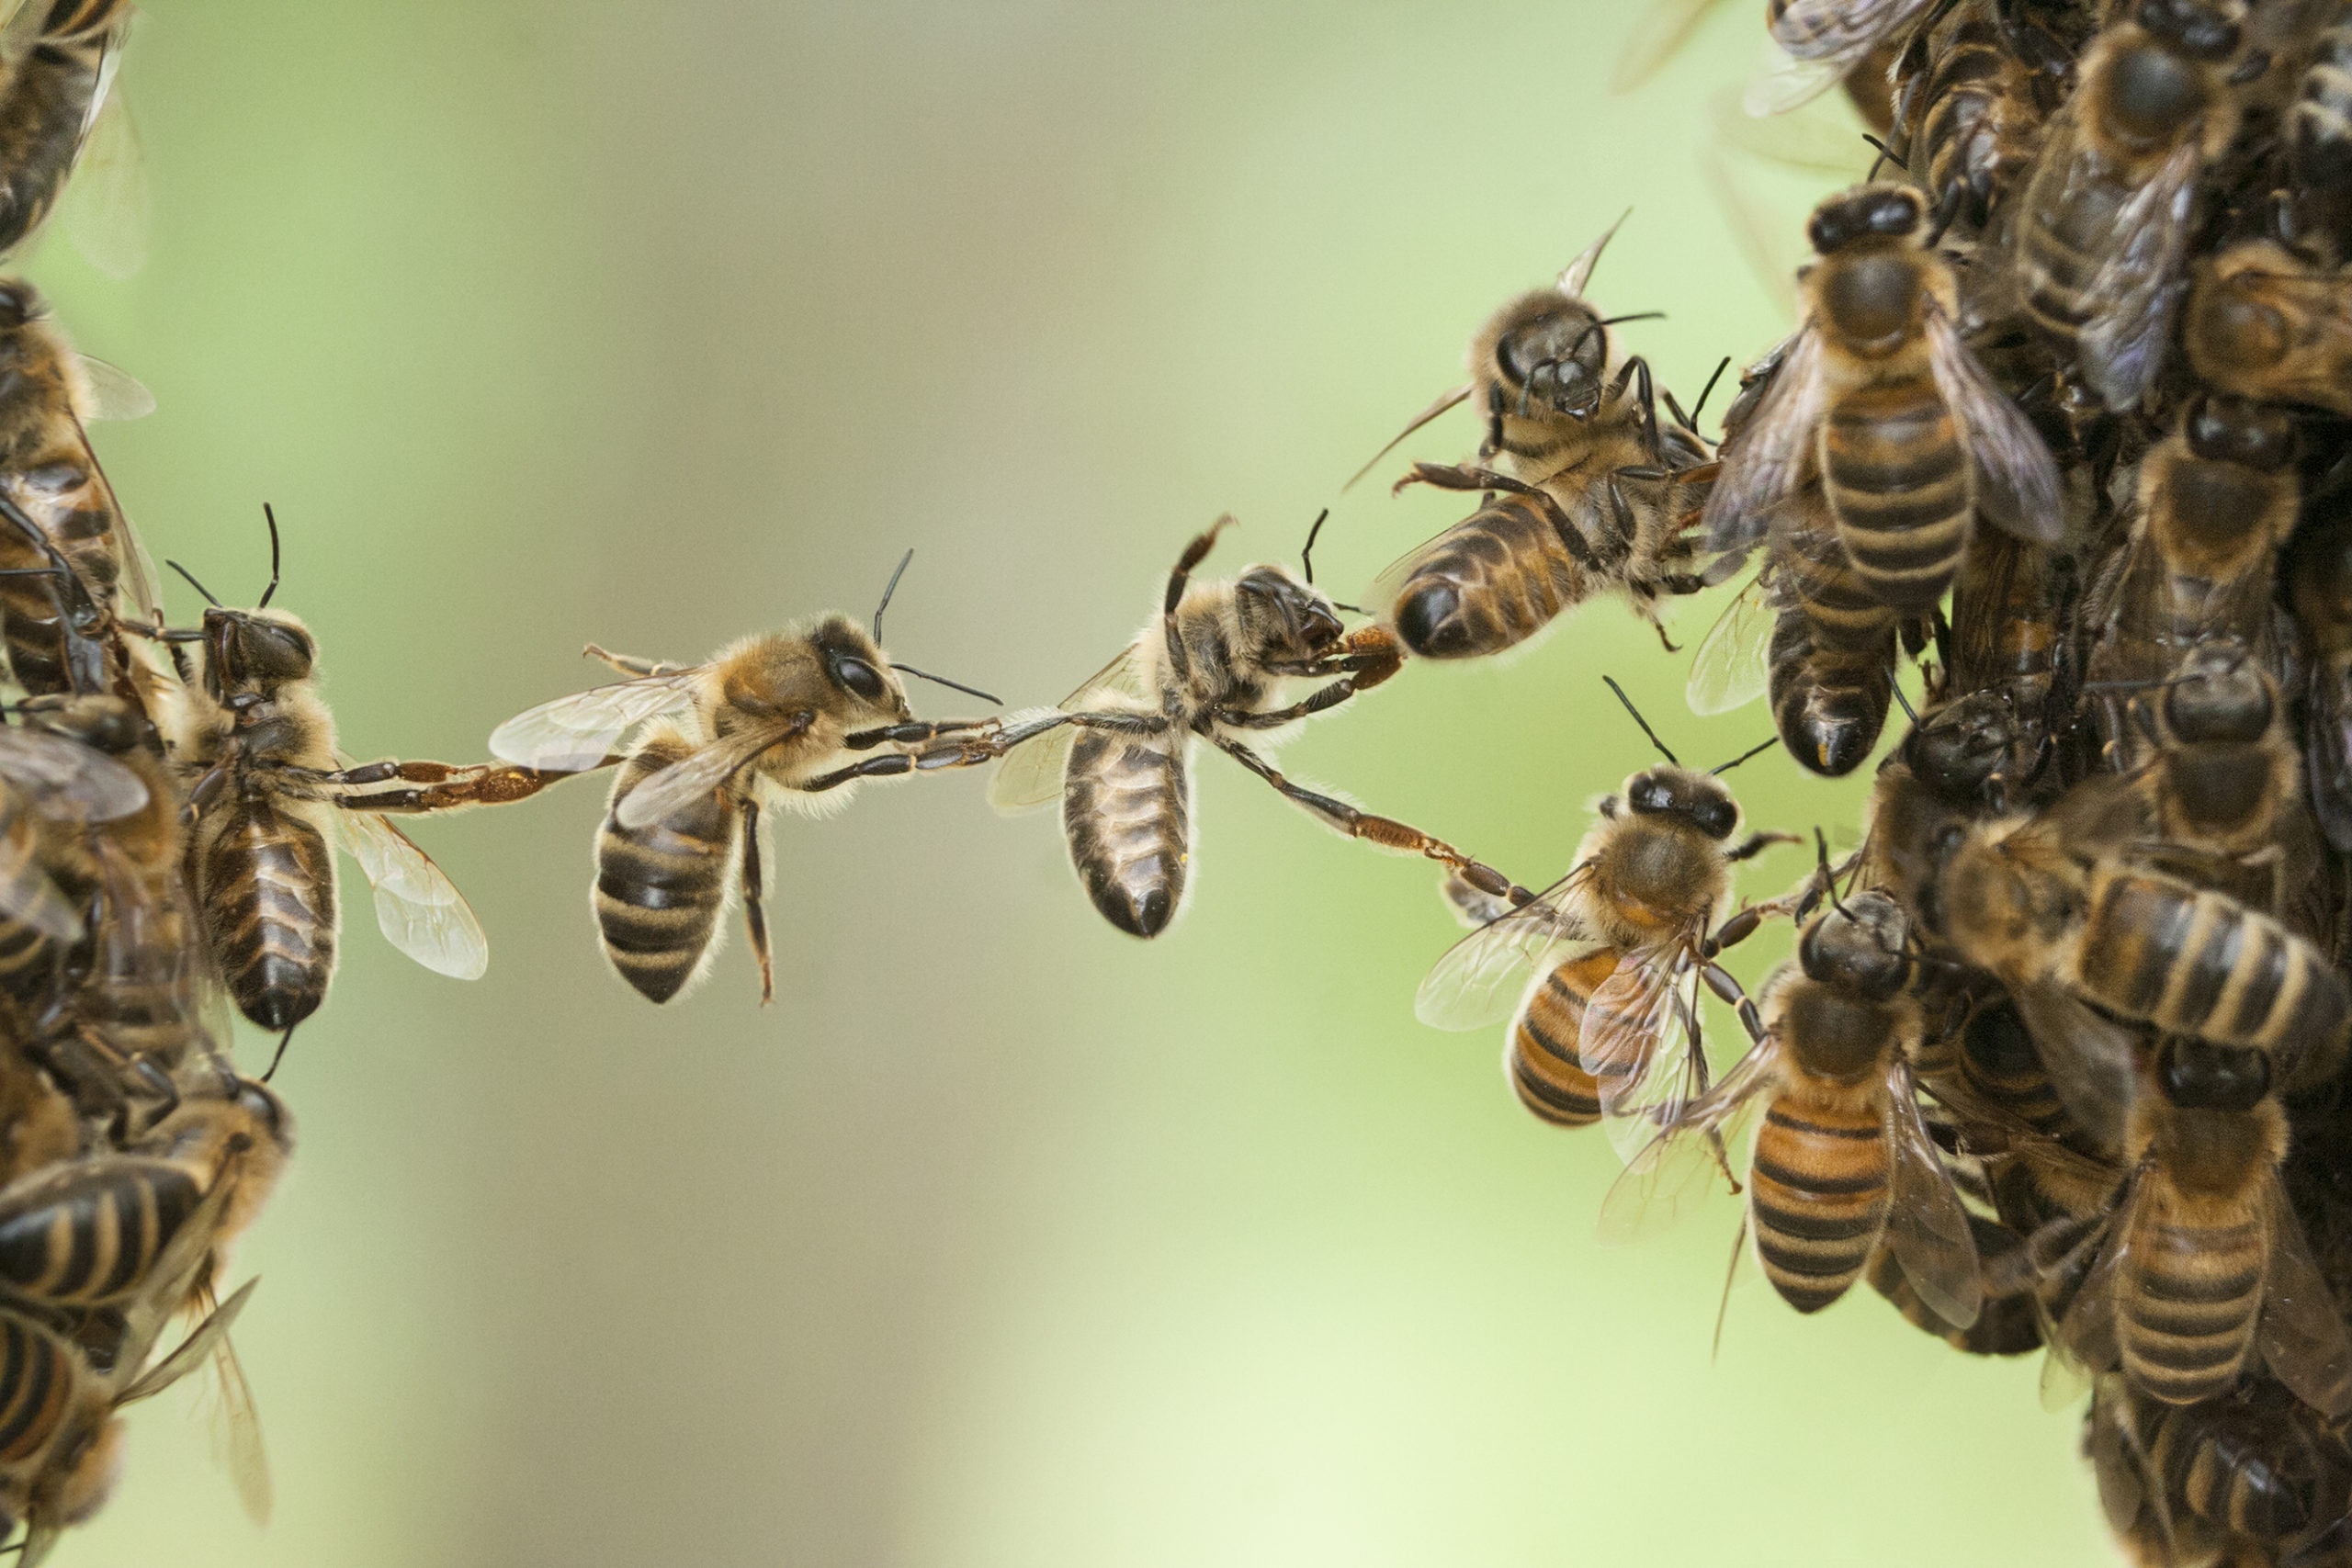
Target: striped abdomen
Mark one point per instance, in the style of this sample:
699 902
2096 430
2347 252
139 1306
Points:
265 885
1829 704
1978 106
43 108
1817 1192
1490 582
659 890
38 1374
1543 1061
89 1233
34 915
2005 1325
1127 811
1999 1062
71 504
2249 1468
2319 135
1897 477
2066 228
2198 963
2188 1292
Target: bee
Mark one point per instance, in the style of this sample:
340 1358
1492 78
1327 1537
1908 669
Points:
2249 1465
2203 1262
1878 395
1607 1029
1842 1159
2319 583
2103 223
2263 324
1586 493
2317 209
2007 1323
49 784
1829 41
774 719
57 64
2217 498
1947 773
1977 86
1118 751
1991 1063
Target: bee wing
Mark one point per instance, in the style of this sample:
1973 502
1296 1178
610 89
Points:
703 770
1663 28
104 206
2138 283
2114 1462
29 896
65 778
1729 670
235 1426
418 908
1480 979
1781 82
1471 906
1768 460
1030 774
112 391
575 733
1927 1227
2082 1343
2090 1058
1669 1176
1641 1041
1828 141
1763 234
2016 479
2328 749
1840 32
2300 1333
191 1352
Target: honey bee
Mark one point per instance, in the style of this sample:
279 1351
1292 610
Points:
57 65
1607 1029
1587 494
773 721
1842 1157
1877 393
2317 209
2007 1323
2203 1263
1118 751
2263 324
2183 1478
2102 225
2319 583
1830 41
45 776
1975 87
2009 609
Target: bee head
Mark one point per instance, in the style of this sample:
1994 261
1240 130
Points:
267 1111
2221 695
1858 943
1677 791
1956 749
2197 1074
2231 430
19 303
1867 212
251 650
2191 27
1292 621
856 668
1554 357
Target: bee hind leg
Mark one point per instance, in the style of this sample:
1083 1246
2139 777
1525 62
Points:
754 912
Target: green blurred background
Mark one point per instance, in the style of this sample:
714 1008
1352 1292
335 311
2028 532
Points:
1001 1239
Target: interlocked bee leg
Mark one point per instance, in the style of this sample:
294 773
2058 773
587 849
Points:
913 734
634 668
1446 475
1374 667
987 748
1385 831
448 786
754 912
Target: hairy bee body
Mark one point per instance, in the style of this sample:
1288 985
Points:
87 1234
1969 111
265 876
1127 811
1831 660
1818 1191
1545 1066
661 889
1489 582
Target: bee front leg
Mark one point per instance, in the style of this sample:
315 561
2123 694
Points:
446 786
754 912
989 746
913 734
635 669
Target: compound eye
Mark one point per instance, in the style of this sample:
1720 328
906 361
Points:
1894 212
1716 818
1650 793
16 305
858 678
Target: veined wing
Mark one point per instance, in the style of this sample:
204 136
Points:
2017 479
418 908
575 733
1764 460
1031 773
104 206
1829 140
1927 1227
1479 980
1641 1042
109 391
1667 1177
2302 1335
2139 281
1730 670
236 1426
2082 1343
704 769
64 778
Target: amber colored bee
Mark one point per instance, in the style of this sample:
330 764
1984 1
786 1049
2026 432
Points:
2102 226
1117 753
45 779
1879 397
1617 947
2203 1262
2262 324
2007 1322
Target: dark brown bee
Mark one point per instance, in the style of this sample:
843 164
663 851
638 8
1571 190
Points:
2103 224
1877 394
1119 752
2317 206
2185 1478
1970 110
2007 1322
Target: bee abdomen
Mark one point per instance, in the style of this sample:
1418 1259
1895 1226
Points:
1897 477
1543 1061
264 881
659 890
2246 1468
27 953
1828 705
1489 582
89 1235
36 1377
1126 813
41 115
2185 1316
2007 1326
1817 1195
2201 962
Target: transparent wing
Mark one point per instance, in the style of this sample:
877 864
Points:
1578 272
1766 461
1641 1044
575 733
1828 137
1479 980
64 778
1668 1177
2092 1060
112 392
191 1352
2302 1334
27 895
104 207
1769 242
2138 283
1729 670
235 1426
2082 1343
1927 1227
1662 29
418 908
1030 774
1471 906
1840 32
1779 83
2017 479
700 772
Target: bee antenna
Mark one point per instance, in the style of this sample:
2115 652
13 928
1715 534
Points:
1721 366
1640 720
1306 556
283 1041
1886 155
1828 878
192 582
944 680
1751 751
1611 322
270 517
1905 703
890 588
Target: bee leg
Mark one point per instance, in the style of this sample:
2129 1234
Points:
1446 475
1494 442
450 787
634 668
887 766
754 914
1728 989
990 746
1194 553
910 734
280 1055
1757 842
1331 696
1385 831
